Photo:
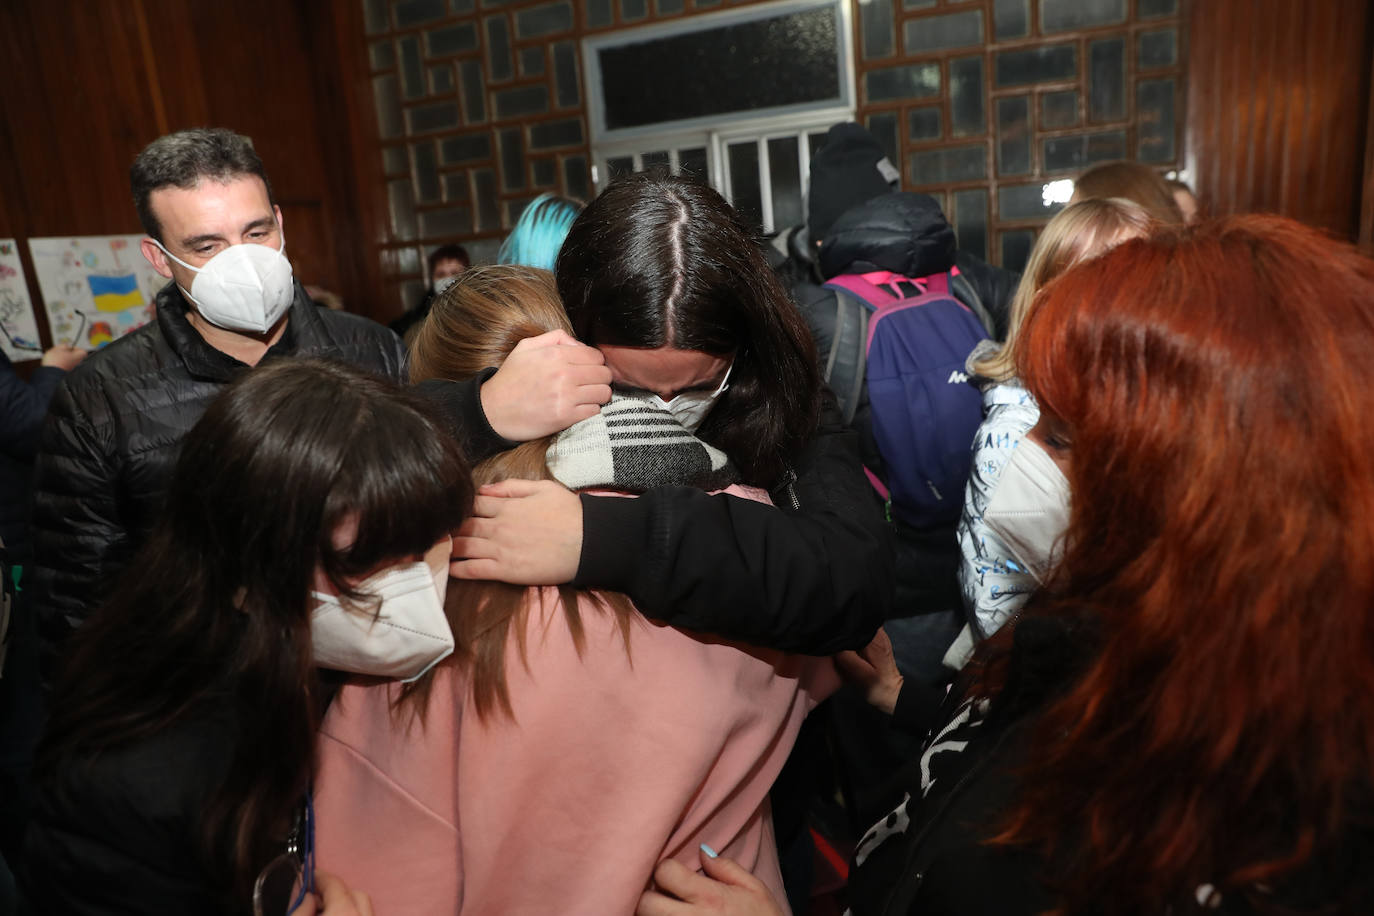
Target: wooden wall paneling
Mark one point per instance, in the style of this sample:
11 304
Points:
1278 107
1367 194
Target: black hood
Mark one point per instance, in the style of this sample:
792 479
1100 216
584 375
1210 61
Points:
904 232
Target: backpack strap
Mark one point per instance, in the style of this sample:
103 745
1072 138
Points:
847 361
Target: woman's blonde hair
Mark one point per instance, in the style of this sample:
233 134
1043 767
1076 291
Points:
474 324
1078 232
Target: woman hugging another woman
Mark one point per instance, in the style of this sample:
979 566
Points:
569 745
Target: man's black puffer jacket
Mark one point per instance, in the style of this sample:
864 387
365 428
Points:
905 233
113 434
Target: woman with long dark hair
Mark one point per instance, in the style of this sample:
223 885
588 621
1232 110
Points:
181 742
1182 718
566 729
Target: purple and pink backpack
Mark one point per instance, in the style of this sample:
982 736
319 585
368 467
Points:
909 339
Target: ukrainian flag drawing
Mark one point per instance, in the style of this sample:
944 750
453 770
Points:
115 294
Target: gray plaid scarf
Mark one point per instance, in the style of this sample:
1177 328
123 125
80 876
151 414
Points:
634 446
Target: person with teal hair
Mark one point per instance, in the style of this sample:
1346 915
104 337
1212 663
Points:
539 232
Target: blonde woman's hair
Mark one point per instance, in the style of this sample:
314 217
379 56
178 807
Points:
475 323
1078 232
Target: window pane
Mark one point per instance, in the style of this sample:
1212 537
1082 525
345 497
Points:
744 181
955 163
1156 49
1154 109
1076 153
971 222
782 60
1063 15
915 81
1107 98
621 165
923 124
936 33
876 19
1016 249
692 162
1037 65
1059 109
1011 18
1013 136
883 127
655 160
966 96
1025 201
784 171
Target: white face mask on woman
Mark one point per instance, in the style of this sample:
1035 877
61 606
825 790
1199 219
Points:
1029 510
691 407
407 635
245 287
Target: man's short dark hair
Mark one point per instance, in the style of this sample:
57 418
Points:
448 253
187 157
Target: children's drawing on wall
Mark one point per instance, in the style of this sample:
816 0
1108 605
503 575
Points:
95 288
17 320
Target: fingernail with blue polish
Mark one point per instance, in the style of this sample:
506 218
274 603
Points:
708 850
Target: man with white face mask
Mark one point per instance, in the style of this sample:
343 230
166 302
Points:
116 425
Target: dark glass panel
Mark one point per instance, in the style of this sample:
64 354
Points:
412 74
784 174
1154 114
512 159
1011 18
1066 15
875 17
1037 65
395 161
567 89
402 205
451 39
913 81
923 124
425 170
484 199
374 16
441 80
538 21
415 12
548 134
1107 80
1013 136
971 221
544 172
432 117
966 113
883 127
1075 153
658 159
1016 249
532 61
576 179
383 55
474 91
599 13
1156 49
521 101
456 186
385 90
1059 109
953 163
668 7
633 9
692 162
744 181
938 33
498 48
620 165
1152 9
782 60
1025 201
446 224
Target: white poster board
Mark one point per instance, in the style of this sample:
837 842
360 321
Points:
95 288
17 319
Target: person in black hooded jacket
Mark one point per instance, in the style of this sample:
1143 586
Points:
906 233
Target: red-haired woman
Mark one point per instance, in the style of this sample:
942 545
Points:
1182 719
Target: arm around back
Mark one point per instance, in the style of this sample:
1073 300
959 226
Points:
813 575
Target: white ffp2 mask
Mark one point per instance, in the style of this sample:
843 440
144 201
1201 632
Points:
406 636
691 407
245 287
1029 510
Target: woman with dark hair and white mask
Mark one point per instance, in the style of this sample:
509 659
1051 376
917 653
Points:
310 509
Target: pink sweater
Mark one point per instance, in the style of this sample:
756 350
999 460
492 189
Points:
611 764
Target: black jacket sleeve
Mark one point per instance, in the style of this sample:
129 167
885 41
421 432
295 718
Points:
994 286
23 406
813 575
461 405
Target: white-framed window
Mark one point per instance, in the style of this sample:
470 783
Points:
663 96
